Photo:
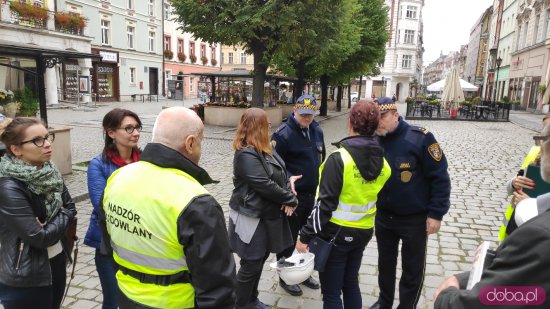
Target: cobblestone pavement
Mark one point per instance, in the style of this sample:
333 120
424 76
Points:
482 157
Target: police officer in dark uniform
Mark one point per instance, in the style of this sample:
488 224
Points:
300 143
410 206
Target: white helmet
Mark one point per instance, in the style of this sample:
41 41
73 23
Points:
295 269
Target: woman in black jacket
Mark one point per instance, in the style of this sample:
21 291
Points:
35 211
259 205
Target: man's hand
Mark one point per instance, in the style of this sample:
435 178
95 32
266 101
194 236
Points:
301 247
432 226
292 180
452 281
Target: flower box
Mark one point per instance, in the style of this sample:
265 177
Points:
69 22
193 58
168 54
213 61
182 57
29 13
204 60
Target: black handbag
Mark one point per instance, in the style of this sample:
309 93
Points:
321 248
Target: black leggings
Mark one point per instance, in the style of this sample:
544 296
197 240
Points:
40 297
248 279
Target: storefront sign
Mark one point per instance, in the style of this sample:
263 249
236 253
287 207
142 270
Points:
105 69
72 67
108 56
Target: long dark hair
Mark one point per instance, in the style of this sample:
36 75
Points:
112 121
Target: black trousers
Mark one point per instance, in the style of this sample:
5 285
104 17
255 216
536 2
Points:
411 230
298 219
248 279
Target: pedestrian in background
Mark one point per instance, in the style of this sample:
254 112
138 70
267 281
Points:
36 210
121 131
351 178
259 206
167 234
410 206
301 145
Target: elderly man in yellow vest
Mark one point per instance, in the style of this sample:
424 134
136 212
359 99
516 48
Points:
166 232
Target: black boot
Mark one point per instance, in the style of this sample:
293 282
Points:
292 289
311 283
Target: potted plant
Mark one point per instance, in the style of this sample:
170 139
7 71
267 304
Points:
204 60
168 54
27 102
193 58
69 22
213 61
29 12
182 57
515 105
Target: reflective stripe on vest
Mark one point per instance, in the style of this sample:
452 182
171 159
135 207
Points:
149 261
530 158
357 200
142 203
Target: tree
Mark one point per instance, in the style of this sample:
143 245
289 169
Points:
258 25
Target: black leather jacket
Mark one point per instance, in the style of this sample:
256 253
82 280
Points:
261 185
24 258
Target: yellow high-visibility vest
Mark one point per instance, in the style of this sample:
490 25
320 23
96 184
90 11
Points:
530 158
357 201
142 203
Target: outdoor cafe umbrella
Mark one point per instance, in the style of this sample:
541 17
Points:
452 92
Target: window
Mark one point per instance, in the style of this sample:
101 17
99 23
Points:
381 64
105 32
406 62
132 76
180 46
166 11
230 58
167 45
203 51
545 28
409 37
152 41
130 4
411 11
191 48
213 53
191 84
536 30
130 33
525 34
243 58
222 58
151 7
398 36
519 38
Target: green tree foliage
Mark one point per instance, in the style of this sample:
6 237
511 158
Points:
258 25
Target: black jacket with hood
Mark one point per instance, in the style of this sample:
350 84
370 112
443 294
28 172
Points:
369 158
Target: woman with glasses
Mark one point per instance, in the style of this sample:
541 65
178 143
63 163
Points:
259 205
121 129
36 210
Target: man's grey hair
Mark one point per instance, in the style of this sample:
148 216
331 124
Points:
173 125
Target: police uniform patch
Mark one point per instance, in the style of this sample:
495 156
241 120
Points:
273 143
406 176
435 151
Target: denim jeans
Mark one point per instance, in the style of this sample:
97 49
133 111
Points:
341 276
41 297
109 286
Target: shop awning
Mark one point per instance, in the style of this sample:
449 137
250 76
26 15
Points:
45 58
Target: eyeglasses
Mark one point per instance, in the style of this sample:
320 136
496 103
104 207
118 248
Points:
39 140
130 129
541 138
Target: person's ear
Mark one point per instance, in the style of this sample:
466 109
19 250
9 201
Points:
190 141
16 150
111 133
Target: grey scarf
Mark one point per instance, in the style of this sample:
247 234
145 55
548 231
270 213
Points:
46 182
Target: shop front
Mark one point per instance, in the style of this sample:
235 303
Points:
105 78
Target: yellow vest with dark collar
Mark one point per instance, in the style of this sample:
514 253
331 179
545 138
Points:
357 201
142 203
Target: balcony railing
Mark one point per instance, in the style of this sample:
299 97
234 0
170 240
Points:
35 16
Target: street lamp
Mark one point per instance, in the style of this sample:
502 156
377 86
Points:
499 62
